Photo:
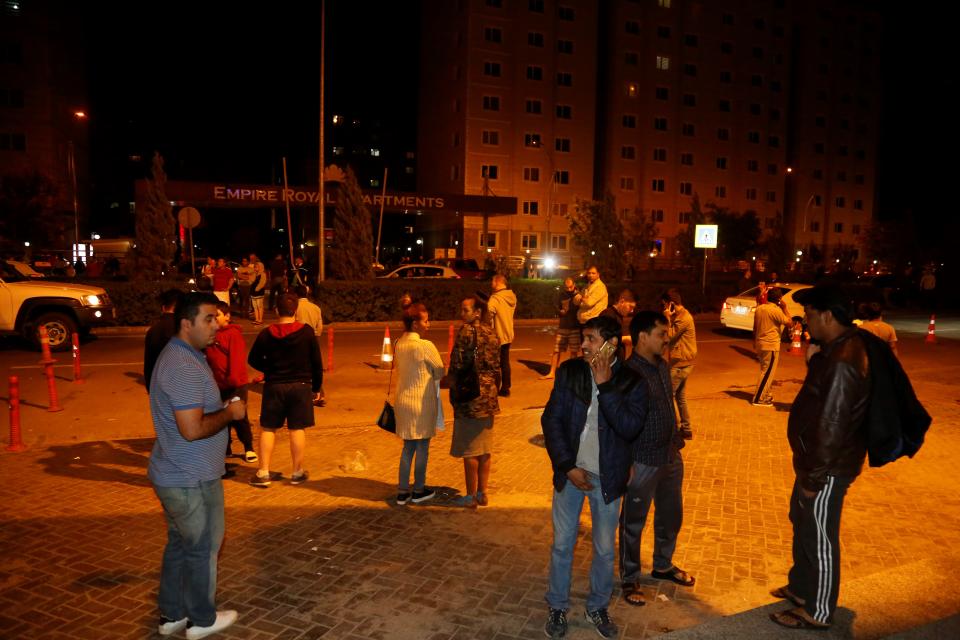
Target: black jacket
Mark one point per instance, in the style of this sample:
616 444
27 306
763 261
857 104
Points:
288 353
622 405
158 335
826 426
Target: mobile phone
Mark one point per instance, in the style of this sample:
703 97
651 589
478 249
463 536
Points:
606 350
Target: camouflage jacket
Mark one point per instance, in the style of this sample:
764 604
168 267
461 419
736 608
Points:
487 364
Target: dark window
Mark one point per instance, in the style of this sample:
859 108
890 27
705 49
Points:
564 79
534 106
660 124
492 34
632 27
689 100
535 39
564 46
534 73
632 58
562 145
565 13
661 93
663 32
690 40
564 111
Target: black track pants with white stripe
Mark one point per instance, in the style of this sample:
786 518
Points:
815 575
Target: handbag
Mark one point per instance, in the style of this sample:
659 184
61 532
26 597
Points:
388 418
466 382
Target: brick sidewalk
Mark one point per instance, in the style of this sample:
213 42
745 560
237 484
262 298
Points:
334 558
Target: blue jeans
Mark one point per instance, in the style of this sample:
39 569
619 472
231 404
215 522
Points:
422 450
188 578
567 505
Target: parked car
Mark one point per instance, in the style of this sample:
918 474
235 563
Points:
737 311
466 268
421 271
28 302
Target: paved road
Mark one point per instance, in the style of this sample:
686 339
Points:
82 532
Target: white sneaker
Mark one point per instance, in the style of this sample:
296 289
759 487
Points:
224 619
170 627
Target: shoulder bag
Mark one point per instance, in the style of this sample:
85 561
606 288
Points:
388 419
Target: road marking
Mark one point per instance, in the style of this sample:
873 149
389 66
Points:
87 364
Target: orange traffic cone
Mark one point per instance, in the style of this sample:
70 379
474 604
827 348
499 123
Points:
386 353
932 329
796 343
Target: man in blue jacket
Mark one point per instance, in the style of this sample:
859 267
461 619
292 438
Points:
595 410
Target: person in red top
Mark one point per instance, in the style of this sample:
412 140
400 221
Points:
227 357
222 281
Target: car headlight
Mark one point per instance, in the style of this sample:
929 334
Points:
94 300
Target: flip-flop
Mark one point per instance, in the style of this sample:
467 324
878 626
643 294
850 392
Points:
675 574
792 620
784 593
633 591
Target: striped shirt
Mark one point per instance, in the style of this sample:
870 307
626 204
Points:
182 380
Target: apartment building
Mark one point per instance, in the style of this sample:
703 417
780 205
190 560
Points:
764 106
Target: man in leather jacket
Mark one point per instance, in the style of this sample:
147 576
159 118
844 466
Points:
595 410
827 435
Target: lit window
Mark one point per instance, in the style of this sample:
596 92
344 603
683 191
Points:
531 140
663 63
337 119
631 90
375 153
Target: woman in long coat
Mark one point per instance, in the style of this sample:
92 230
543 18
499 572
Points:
417 405
477 347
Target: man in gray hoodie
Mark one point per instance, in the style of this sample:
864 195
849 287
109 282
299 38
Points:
501 306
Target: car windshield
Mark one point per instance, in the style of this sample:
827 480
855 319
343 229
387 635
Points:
14 271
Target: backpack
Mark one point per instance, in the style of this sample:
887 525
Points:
896 422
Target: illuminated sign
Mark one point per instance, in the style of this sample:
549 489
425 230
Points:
706 236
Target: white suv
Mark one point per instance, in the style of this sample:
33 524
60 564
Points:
28 300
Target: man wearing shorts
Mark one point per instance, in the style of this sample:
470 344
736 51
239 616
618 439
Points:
568 332
288 355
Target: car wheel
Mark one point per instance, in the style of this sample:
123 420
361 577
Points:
60 329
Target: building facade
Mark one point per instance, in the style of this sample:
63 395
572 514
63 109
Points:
768 107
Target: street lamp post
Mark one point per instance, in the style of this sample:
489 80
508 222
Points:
550 194
72 170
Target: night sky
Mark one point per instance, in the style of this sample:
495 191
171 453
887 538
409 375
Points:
224 90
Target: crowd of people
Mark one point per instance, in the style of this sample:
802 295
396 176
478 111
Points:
614 426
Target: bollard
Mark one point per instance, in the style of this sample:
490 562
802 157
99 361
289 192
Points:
77 377
329 348
796 344
16 442
932 330
51 388
45 356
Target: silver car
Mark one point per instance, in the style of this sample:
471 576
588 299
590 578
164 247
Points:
737 311
421 271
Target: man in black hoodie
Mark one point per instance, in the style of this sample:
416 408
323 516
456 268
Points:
288 355
160 332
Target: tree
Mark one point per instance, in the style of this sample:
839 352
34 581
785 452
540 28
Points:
737 233
155 229
28 212
597 231
351 256
639 232
777 247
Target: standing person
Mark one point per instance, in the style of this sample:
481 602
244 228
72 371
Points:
257 290
622 311
501 307
657 474
768 323
872 315
227 357
568 329
299 274
278 280
682 334
206 275
928 289
222 280
310 314
160 332
595 410
828 439
419 411
476 348
244 280
288 355
185 468
593 300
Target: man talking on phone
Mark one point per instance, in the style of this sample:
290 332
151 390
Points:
596 409
657 472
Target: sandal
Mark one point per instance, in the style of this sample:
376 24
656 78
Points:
633 595
675 574
784 593
793 620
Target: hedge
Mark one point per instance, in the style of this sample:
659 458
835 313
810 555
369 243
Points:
379 300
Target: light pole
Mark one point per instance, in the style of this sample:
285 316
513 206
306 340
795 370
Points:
551 188
72 170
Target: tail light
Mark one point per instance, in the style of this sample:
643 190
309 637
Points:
725 307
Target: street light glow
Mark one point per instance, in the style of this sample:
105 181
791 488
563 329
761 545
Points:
80 115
